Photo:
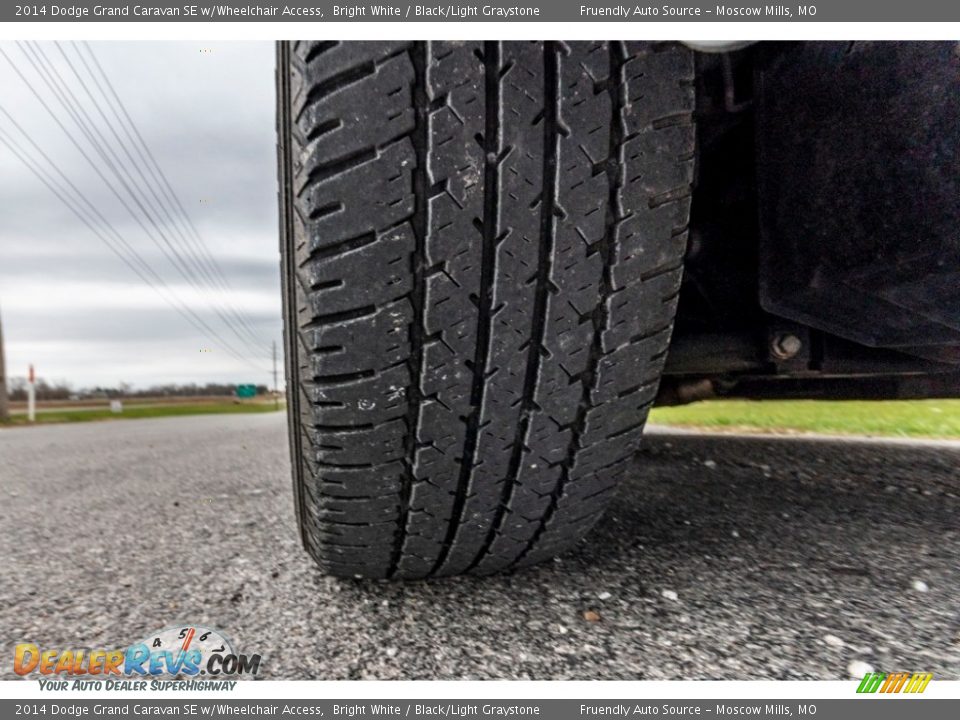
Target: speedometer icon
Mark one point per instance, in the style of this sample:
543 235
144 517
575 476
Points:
184 649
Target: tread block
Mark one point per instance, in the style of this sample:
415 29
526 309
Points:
375 272
384 197
376 444
321 61
373 399
371 481
375 340
336 126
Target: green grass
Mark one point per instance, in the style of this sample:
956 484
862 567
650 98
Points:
149 411
890 418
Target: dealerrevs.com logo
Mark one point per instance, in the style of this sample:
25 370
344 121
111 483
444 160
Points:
177 652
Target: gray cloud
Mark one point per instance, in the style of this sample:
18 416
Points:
68 304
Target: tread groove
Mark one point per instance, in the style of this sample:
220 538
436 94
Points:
420 223
614 172
489 228
543 289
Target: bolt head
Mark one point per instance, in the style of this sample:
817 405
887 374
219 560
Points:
786 346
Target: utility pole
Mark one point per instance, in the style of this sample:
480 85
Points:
276 399
4 399
32 395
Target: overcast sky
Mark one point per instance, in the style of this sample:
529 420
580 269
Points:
71 306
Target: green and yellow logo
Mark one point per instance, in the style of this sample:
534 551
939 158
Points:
894 682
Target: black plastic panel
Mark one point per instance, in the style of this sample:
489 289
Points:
859 182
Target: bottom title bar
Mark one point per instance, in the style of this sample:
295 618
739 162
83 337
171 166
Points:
875 708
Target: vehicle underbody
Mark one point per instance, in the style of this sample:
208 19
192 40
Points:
823 252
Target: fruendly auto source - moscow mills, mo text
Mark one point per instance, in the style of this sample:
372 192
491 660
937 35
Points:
413 11
685 11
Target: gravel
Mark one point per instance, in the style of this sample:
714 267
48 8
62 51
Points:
109 531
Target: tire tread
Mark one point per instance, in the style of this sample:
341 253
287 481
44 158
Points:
487 242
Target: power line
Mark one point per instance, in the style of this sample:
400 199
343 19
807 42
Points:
138 265
92 208
73 141
61 89
63 95
37 61
194 247
59 192
120 143
163 182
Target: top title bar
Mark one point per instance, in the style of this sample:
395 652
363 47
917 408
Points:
324 11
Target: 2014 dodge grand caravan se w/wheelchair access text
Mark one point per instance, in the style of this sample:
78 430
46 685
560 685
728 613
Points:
497 256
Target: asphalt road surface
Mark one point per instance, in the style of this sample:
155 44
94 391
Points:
723 557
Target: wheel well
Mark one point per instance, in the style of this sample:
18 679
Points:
736 331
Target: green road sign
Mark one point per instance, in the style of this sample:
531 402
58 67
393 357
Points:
246 391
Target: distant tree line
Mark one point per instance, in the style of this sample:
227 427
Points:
65 391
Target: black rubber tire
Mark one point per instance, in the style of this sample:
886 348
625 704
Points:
482 247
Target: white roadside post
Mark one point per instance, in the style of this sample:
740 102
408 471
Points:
31 396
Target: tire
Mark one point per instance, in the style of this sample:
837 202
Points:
482 249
